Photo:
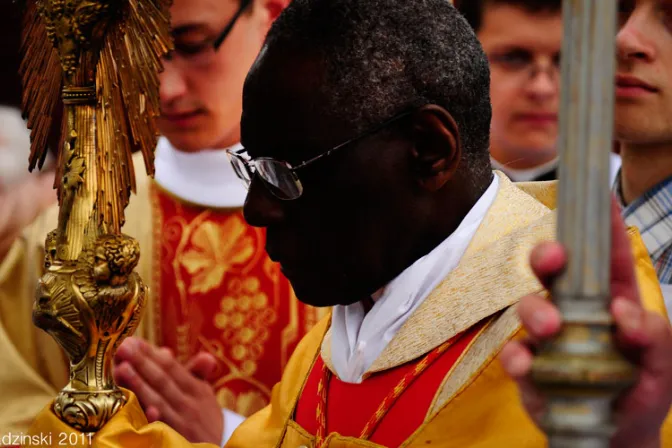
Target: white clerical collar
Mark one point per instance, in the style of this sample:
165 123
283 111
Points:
528 174
203 178
358 338
536 172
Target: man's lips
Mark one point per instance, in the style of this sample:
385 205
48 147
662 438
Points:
629 86
180 116
538 118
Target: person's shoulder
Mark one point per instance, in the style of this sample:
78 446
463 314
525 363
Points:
544 192
647 278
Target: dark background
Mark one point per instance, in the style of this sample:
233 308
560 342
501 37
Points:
10 30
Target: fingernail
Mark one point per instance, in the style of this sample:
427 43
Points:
122 353
515 361
538 253
538 321
165 353
126 370
628 315
518 366
129 347
132 345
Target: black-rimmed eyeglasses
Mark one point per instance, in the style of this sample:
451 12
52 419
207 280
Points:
281 177
222 37
203 53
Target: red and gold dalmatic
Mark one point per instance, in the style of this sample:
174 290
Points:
216 290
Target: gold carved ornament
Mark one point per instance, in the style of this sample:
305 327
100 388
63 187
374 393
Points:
98 62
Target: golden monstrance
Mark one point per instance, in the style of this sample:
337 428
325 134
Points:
95 63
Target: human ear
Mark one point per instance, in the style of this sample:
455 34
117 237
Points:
436 151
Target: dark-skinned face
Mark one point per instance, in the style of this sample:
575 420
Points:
368 211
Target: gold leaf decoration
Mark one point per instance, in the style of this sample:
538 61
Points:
128 100
42 79
126 84
216 249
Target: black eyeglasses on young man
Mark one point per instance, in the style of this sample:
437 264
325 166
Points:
202 51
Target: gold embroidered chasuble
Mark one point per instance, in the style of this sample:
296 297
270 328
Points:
477 404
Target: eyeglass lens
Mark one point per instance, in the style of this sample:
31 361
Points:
278 176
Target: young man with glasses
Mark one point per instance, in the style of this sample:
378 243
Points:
365 127
213 287
522 39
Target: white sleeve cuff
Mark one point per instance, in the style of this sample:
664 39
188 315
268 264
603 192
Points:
231 422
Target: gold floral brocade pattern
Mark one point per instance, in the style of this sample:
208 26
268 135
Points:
244 320
216 249
222 294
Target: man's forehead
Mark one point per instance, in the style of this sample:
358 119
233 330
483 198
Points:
283 96
507 26
284 76
192 13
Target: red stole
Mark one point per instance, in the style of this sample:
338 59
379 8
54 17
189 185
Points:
350 407
216 290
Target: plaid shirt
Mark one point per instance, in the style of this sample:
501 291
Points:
652 215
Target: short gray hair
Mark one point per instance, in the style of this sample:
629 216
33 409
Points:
383 57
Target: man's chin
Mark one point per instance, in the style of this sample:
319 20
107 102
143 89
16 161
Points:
186 141
637 132
191 139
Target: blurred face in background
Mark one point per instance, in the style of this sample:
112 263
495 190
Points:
14 147
23 195
644 75
524 53
15 152
201 87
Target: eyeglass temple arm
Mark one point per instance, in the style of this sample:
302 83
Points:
368 133
243 6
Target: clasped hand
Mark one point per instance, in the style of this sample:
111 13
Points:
178 395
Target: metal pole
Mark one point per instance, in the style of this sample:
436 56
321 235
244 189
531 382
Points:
580 371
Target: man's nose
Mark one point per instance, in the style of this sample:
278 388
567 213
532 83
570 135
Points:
544 80
173 85
262 209
544 84
631 41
